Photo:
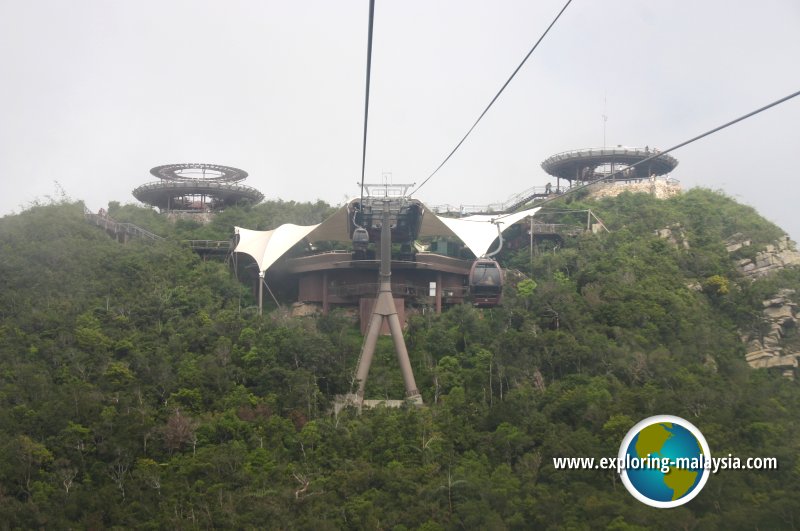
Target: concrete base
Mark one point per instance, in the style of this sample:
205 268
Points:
351 400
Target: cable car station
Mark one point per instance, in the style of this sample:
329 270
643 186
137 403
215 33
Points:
435 261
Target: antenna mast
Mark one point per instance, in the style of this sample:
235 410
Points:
605 119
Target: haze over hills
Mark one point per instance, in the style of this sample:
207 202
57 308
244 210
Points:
139 389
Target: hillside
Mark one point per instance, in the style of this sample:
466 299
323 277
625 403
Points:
138 390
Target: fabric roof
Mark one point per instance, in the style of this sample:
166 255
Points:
335 228
478 232
266 247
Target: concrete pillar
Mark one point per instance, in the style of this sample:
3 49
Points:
439 292
260 292
324 293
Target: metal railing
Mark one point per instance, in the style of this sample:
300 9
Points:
398 290
115 227
548 228
512 202
222 245
198 184
606 151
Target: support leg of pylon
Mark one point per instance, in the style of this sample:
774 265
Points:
367 353
412 393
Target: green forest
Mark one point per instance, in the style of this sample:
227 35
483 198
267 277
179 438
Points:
139 389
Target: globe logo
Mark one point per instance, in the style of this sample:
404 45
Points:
664 461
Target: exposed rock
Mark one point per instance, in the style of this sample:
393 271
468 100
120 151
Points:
305 309
674 235
779 312
772 341
774 257
695 286
754 345
736 242
769 350
758 355
775 361
660 188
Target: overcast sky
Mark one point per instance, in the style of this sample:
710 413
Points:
94 93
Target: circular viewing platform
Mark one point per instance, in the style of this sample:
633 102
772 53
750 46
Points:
196 187
595 163
194 171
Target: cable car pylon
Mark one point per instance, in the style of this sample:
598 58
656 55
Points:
385 309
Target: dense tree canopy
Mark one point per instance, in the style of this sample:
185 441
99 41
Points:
136 390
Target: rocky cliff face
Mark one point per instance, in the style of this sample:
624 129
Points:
769 348
781 254
660 188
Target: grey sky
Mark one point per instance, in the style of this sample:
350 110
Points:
95 93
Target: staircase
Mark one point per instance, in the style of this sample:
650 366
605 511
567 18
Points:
125 232
122 232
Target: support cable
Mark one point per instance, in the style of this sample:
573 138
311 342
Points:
660 153
493 99
366 105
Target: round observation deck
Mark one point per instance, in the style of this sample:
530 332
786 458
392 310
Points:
596 163
196 187
194 171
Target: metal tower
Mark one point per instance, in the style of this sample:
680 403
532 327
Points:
384 309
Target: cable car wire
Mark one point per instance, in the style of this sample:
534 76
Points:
660 153
366 97
493 99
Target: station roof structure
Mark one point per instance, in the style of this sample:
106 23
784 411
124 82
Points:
477 232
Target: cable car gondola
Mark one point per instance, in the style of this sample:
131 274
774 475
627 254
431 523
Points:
360 243
486 283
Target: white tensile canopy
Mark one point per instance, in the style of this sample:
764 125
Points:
267 246
478 232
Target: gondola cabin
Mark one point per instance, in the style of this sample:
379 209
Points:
486 283
360 243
